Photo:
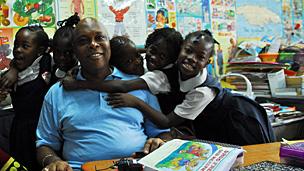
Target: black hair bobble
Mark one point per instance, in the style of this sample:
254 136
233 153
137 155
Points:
71 21
210 34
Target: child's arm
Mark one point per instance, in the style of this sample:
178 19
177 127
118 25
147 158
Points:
10 77
158 118
110 86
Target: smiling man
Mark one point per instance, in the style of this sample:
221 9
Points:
79 126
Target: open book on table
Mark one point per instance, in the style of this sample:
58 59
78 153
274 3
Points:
184 155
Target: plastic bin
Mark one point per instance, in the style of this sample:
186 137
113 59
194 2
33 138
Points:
269 57
292 154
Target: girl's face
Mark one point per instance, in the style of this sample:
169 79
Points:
63 54
26 49
193 57
161 18
132 62
157 55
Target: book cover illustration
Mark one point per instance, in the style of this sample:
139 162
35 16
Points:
182 155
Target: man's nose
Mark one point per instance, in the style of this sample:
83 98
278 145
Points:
94 44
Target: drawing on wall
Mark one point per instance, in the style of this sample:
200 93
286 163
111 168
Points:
119 28
77 6
67 8
160 14
27 12
5 13
5 47
124 17
190 16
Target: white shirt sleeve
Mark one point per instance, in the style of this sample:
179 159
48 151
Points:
157 81
195 102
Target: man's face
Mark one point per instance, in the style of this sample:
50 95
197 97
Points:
92 46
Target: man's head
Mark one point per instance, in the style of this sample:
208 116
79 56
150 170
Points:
91 46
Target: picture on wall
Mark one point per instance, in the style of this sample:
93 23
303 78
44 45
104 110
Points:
66 8
124 18
190 16
28 12
160 14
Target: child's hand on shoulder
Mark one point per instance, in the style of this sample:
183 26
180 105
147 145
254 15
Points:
122 100
69 83
9 78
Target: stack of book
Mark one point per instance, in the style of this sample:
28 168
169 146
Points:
296 83
256 72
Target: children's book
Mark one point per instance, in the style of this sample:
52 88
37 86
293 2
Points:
184 155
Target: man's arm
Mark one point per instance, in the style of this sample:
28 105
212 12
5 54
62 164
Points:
49 160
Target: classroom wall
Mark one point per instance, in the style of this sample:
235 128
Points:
228 19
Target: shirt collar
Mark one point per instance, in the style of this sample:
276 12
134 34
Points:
193 82
115 74
29 70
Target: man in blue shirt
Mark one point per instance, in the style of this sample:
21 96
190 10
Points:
80 126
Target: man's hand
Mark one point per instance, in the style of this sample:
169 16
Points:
58 165
152 144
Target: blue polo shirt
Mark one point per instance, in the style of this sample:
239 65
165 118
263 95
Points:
85 128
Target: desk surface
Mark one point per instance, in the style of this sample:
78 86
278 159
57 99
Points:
253 154
261 152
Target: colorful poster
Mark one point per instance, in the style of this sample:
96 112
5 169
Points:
223 17
206 14
6 47
297 21
66 8
259 18
189 16
27 12
287 21
6 14
124 18
223 27
160 14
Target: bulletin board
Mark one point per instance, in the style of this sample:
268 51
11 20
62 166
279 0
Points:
227 19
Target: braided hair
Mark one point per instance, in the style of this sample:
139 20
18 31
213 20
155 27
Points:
41 37
66 28
206 35
172 37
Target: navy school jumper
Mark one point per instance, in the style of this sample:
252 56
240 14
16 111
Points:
232 118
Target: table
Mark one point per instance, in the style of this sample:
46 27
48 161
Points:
253 154
261 152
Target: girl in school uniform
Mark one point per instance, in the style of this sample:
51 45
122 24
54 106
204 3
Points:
216 113
34 72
